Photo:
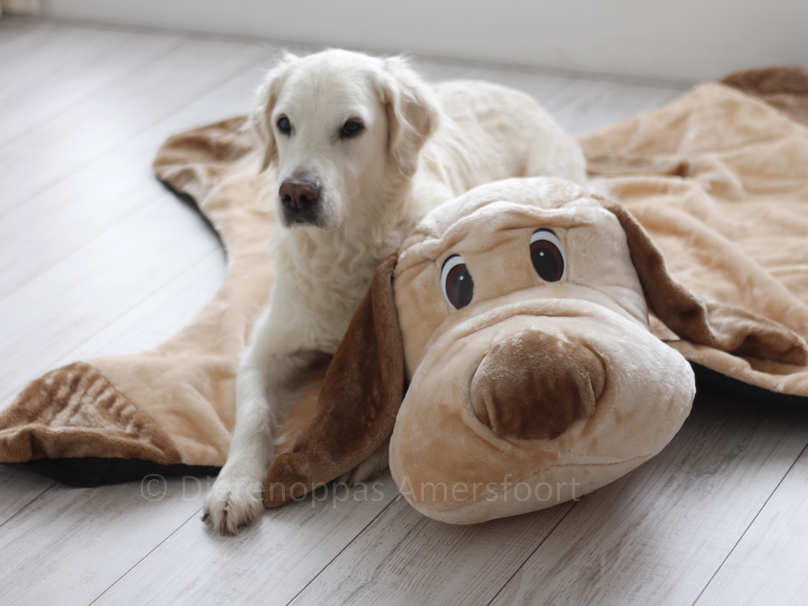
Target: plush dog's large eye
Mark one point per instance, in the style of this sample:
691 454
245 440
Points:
458 287
284 125
351 128
547 255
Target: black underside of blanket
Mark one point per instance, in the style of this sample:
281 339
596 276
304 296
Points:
712 381
88 472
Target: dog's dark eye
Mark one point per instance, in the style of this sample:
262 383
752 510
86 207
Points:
351 128
284 125
547 255
458 287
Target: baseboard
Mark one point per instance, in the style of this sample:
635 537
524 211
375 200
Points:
687 40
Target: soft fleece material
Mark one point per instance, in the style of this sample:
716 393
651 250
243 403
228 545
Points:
717 178
537 391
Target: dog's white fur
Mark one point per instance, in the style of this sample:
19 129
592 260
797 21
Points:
420 146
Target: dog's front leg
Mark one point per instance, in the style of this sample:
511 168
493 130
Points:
262 400
266 387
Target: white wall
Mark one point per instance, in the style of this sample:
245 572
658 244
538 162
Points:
671 39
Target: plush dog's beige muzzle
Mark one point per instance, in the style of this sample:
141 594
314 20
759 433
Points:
533 384
531 404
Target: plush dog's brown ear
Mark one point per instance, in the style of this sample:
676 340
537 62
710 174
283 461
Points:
722 327
361 395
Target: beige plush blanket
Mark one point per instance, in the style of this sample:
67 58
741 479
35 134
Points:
718 178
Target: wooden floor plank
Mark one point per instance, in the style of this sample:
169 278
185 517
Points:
541 87
41 231
155 319
769 564
20 488
587 105
113 116
10 24
87 538
406 558
79 70
28 46
268 563
658 535
435 70
160 316
64 307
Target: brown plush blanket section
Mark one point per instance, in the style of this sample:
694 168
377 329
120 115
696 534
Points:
719 179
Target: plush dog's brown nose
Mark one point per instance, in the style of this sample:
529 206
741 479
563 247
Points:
298 194
534 386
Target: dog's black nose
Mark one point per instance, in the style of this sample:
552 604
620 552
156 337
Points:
298 194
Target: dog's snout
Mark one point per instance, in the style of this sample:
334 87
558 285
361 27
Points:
298 194
534 386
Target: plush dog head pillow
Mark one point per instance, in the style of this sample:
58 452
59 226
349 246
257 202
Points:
533 376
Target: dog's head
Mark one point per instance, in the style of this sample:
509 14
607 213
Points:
341 128
534 377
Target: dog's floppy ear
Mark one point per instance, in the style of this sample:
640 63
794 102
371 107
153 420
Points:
361 395
722 327
412 113
259 120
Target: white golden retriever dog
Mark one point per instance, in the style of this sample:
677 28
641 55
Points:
358 149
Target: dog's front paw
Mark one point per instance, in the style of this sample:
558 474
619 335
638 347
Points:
235 500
